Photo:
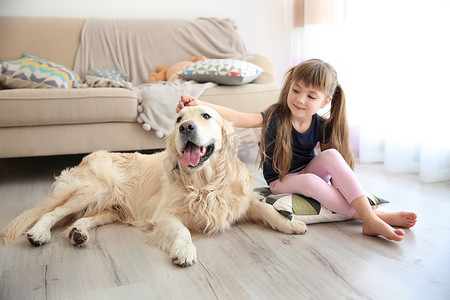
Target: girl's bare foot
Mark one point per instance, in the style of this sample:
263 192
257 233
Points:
376 226
380 223
401 218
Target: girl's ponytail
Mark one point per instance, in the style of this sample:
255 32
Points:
282 150
336 132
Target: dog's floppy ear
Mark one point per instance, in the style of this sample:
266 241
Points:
230 140
171 161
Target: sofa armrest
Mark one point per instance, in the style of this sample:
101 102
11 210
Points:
268 76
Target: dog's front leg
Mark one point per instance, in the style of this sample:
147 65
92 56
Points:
260 212
173 237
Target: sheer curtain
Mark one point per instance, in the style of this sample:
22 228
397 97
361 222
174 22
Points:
392 59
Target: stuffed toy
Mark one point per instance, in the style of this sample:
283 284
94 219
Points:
163 73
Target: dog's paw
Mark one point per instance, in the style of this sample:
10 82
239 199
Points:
78 237
38 236
184 255
294 227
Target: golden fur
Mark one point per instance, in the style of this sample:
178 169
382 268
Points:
157 193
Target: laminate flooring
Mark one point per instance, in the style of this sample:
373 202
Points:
331 261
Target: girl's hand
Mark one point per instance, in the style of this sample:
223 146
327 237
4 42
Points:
187 100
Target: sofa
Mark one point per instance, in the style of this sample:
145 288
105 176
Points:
36 121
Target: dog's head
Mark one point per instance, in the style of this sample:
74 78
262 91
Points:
200 137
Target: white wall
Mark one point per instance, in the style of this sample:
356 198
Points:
263 24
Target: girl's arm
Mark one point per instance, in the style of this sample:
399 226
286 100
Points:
239 119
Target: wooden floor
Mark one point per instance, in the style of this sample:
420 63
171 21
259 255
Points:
331 261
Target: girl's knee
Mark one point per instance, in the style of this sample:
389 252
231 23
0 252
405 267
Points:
331 154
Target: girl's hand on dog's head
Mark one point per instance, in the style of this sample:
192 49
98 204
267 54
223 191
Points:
187 100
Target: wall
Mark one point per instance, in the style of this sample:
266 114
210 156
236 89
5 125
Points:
263 24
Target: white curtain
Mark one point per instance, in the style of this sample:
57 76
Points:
393 61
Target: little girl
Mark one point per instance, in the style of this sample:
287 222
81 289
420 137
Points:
291 129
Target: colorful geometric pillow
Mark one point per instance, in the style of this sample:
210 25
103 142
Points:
307 209
221 71
33 72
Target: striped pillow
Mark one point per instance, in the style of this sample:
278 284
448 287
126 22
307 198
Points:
34 72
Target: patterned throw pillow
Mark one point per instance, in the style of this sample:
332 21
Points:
307 209
33 72
109 74
221 71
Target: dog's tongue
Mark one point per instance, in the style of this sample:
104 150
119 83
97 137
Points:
191 155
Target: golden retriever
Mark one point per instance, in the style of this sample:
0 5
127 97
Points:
198 183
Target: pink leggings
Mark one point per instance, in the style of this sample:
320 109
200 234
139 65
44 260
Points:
313 182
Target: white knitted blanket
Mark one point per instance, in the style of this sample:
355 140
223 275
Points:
158 101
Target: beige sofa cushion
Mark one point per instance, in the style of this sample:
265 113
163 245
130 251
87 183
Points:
30 107
55 39
246 98
75 138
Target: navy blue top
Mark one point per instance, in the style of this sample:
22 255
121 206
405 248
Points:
302 144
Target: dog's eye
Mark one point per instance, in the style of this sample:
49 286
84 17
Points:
179 119
206 116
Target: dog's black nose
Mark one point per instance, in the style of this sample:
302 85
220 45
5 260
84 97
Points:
187 126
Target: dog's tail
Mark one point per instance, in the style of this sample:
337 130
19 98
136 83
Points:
61 193
21 224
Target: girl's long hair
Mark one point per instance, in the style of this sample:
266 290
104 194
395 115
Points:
322 76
